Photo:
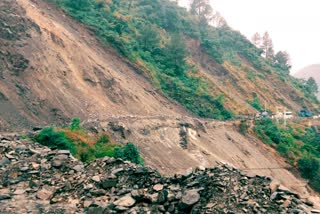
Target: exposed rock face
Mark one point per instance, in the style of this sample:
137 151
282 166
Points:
36 179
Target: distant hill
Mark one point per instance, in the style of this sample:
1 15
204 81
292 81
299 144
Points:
310 71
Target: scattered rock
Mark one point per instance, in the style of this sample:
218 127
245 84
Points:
44 194
309 203
40 180
10 156
126 201
96 178
202 168
158 187
4 161
64 152
78 168
19 192
286 203
108 183
57 163
4 196
274 185
189 198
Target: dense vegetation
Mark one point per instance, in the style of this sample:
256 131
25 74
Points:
84 146
299 144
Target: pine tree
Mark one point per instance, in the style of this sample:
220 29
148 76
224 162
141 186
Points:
256 40
267 46
202 9
311 86
218 20
176 53
149 37
282 60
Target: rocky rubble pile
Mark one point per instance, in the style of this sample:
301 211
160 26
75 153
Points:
35 179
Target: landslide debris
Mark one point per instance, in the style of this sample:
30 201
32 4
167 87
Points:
36 179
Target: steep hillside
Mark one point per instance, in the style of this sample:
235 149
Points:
212 71
52 69
310 71
125 65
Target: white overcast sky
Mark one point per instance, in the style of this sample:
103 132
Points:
294 25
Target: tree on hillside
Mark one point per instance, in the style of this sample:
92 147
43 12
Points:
256 40
79 4
202 9
309 167
218 20
170 19
176 53
311 86
282 60
149 38
267 46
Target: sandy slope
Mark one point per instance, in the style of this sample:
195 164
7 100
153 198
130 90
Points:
70 74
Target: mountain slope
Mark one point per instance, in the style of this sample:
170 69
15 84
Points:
53 69
310 71
218 76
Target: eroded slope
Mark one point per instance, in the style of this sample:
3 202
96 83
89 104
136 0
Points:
53 69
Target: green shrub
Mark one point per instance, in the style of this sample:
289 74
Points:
129 152
255 103
75 124
85 152
83 147
103 149
54 140
315 182
268 130
283 149
103 139
309 167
